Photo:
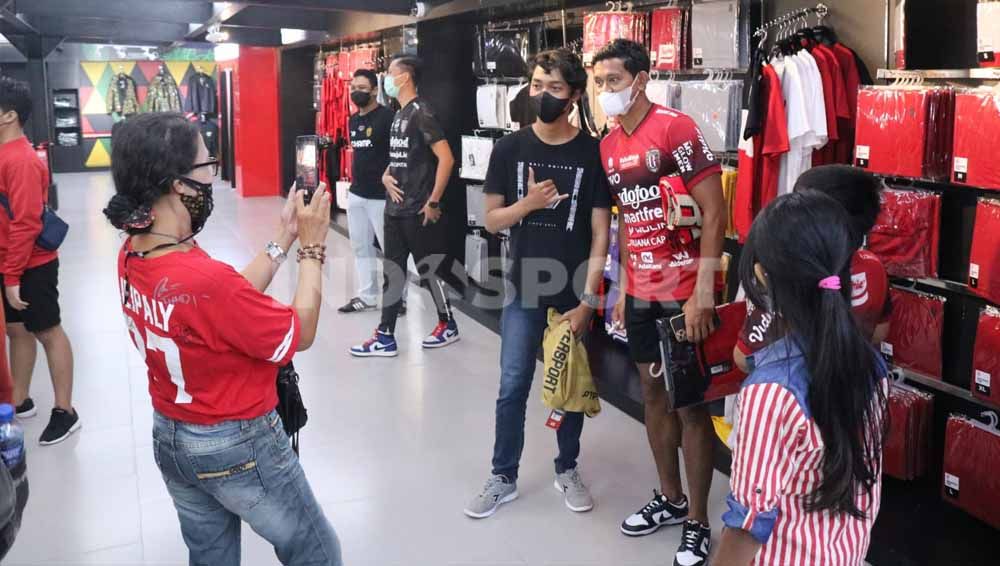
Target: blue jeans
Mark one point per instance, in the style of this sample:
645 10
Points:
521 332
220 475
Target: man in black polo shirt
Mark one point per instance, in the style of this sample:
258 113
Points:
369 130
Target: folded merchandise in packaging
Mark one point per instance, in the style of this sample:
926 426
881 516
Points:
476 153
714 106
696 374
986 357
905 131
984 258
988 33
971 461
664 93
908 438
477 258
489 108
601 28
977 127
502 53
906 236
475 204
916 332
668 35
717 38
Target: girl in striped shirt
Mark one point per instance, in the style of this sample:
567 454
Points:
806 475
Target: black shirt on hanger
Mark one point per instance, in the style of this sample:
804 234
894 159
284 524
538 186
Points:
412 163
562 233
370 141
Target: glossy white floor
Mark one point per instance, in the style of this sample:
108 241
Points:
393 449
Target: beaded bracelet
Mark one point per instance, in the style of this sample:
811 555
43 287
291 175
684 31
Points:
312 252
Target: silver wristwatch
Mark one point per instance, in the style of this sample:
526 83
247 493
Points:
276 253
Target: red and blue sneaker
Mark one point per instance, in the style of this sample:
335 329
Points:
446 333
381 345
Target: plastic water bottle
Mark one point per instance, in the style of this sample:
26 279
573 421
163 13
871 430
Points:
11 437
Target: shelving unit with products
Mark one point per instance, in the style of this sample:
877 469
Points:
67 132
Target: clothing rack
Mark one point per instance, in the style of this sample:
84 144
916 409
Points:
821 10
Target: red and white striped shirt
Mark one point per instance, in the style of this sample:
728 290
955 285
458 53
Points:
777 464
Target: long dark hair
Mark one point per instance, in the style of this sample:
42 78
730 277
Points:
148 151
799 240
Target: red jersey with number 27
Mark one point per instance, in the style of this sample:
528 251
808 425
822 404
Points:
662 256
211 341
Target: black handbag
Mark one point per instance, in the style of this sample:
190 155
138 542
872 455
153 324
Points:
54 229
290 407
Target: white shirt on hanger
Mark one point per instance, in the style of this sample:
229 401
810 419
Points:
792 90
815 99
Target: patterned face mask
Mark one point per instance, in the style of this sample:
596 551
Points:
198 206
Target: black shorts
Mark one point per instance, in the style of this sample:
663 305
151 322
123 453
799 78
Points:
640 326
40 289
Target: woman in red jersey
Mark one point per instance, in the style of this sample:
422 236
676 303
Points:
213 343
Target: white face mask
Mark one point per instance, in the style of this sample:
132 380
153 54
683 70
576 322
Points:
617 103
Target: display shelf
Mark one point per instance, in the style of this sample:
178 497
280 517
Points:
942 74
932 185
697 73
944 285
944 387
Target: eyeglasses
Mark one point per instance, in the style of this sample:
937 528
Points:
213 163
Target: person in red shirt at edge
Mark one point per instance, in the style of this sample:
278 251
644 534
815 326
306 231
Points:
30 273
859 193
213 343
671 266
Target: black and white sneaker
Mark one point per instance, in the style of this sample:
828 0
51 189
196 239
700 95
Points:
657 513
355 305
61 426
696 543
27 409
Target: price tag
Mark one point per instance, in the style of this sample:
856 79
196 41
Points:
974 275
491 65
862 156
961 169
983 380
951 485
699 56
887 352
555 420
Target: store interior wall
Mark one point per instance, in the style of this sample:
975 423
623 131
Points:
858 23
298 118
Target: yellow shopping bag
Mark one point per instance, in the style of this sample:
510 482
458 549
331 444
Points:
568 384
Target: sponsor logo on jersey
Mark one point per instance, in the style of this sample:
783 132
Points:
611 164
628 162
653 160
859 289
639 195
362 144
368 132
399 143
681 259
647 257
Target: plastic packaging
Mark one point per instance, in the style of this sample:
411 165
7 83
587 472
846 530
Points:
503 53
476 153
477 258
668 39
907 444
971 461
905 131
715 34
696 374
11 438
985 381
601 28
988 33
915 332
475 205
977 129
984 259
906 236
715 107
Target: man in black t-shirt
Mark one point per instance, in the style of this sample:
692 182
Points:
547 185
369 130
420 167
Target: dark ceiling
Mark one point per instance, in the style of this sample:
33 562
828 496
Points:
40 25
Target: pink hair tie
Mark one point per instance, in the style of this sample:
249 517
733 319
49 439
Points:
831 283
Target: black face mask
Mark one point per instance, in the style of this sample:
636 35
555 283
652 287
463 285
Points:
199 206
361 99
548 108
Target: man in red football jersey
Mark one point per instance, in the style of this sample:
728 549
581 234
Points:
670 260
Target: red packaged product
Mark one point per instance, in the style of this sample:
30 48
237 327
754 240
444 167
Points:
904 131
601 28
986 357
977 127
344 65
906 236
984 260
971 461
915 333
667 39
907 443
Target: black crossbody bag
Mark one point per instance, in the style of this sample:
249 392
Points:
290 407
54 229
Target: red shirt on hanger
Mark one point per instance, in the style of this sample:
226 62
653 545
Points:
760 157
823 62
852 82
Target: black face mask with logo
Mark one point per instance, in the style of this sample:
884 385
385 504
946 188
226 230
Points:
548 107
361 99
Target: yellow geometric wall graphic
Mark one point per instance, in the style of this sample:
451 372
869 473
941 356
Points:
205 66
94 70
99 156
122 67
178 69
96 104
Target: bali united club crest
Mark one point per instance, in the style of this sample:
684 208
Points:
653 160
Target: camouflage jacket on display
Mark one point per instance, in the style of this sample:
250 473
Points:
121 98
163 95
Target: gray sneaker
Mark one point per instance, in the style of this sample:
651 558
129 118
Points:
497 491
578 497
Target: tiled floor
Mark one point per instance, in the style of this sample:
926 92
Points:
394 448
